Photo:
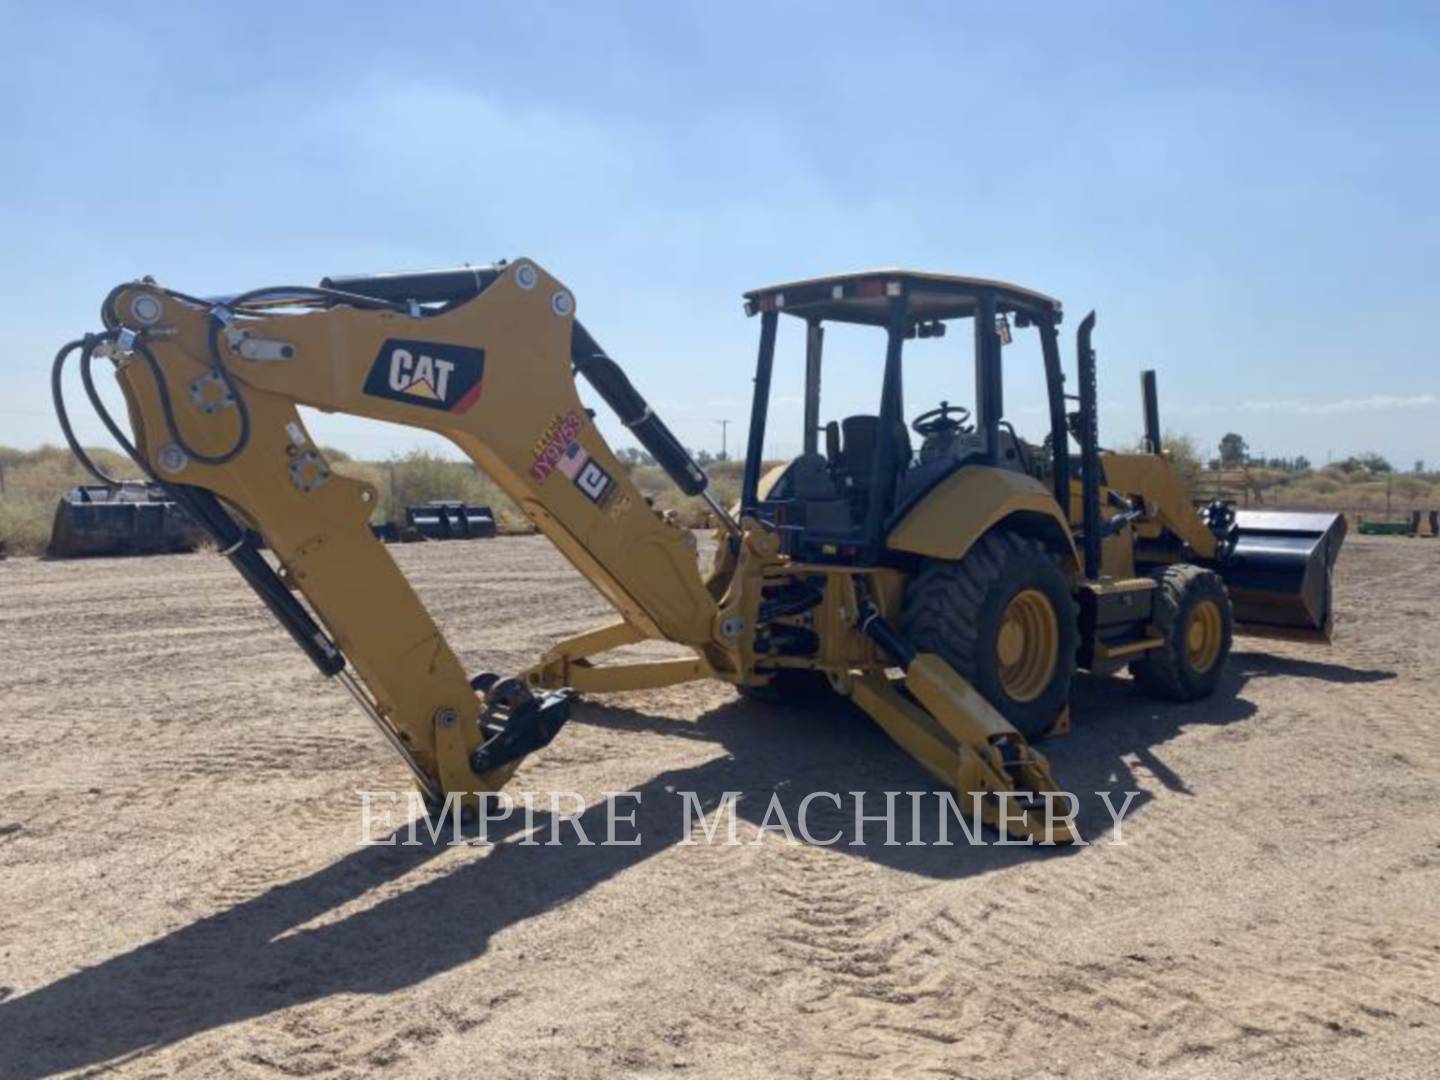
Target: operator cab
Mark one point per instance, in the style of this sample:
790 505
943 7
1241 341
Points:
858 475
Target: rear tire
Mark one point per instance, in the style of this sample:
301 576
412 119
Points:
1193 614
1002 617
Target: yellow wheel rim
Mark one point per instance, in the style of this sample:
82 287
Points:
1203 636
1028 645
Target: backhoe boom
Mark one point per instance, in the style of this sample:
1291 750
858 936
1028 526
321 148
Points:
493 375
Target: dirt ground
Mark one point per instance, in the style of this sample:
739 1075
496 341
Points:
183 891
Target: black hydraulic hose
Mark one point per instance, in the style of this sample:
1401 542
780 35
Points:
111 319
873 625
454 285
167 407
87 354
242 438
57 397
215 323
236 543
315 292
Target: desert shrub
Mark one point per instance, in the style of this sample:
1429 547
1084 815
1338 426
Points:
420 476
1412 487
1320 484
25 524
1184 451
664 496
34 480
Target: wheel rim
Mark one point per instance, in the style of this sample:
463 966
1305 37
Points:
1028 645
1203 637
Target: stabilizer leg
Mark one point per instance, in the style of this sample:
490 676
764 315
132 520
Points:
962 740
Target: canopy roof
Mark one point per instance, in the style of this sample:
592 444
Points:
865 297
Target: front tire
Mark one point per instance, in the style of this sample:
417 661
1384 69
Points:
1002 617
1192 613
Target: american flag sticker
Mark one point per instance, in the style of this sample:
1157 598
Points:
572 460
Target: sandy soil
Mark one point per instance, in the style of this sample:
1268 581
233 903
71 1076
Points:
182 890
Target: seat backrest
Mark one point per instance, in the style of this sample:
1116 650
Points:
810 479
861 441
858 447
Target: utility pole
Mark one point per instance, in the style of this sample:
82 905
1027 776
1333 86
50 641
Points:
724 445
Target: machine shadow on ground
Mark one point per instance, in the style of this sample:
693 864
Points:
259 956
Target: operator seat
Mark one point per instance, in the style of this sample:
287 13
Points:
859 443
811 483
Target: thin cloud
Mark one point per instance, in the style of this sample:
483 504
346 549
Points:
1297 407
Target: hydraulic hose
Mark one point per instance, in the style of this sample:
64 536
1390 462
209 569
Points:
242 438
87 354
215 323
57 397
236 543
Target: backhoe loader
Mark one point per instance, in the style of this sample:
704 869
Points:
949 591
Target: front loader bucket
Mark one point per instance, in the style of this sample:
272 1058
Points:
130 519
1279 573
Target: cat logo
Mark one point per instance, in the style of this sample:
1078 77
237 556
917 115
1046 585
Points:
424 376
427 373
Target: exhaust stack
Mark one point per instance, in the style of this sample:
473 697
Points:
1151 401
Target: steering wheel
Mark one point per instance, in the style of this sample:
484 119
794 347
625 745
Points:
945 420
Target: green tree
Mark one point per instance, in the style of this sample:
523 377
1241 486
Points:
1232 450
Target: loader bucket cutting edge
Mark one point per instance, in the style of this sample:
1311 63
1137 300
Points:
1279 573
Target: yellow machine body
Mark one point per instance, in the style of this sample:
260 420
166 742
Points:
213 390
968 503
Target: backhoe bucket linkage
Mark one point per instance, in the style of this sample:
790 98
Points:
516 721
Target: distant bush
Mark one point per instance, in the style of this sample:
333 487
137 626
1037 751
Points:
1368 462
25 525
34 480
420 476
691 511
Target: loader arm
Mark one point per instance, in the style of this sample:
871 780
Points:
213 391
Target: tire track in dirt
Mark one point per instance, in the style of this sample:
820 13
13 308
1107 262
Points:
1267 915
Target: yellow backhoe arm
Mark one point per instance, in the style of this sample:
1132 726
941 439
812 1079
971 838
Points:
493 375
487 358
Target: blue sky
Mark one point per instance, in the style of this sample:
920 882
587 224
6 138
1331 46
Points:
1246 193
